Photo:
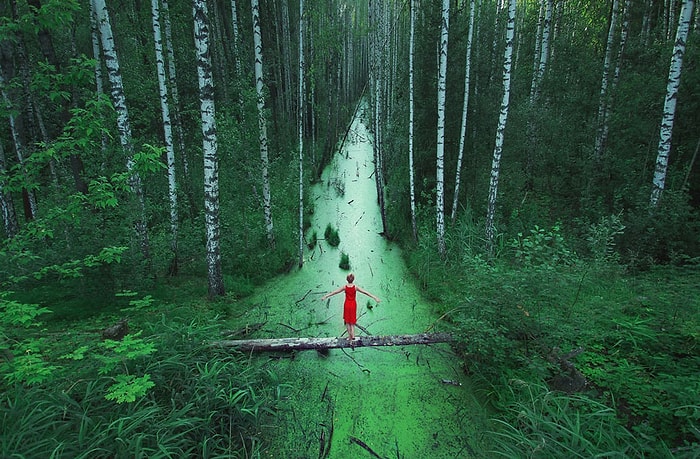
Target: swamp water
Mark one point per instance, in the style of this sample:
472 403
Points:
398 402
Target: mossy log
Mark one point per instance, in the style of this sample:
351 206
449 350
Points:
302 344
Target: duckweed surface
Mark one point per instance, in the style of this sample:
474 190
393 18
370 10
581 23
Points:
389 402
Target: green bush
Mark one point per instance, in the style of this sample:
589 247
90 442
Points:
331 235
344 261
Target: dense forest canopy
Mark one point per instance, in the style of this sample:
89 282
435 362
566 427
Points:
60 137
141 140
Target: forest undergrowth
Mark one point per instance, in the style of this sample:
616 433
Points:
580 357
159 391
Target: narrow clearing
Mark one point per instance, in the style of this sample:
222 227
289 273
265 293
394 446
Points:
387 402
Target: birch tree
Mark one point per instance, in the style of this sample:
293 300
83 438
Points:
30 206
544 28
544 48
118 98
167 134
440 155
300 130
667 119
603 99
99 84
500 131
262 122
209 148
604 122
465 110
377 45
536 54
411 117
234 27
9 218
186 183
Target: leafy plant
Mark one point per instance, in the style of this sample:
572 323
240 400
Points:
344 261
331 236
542 247
601 237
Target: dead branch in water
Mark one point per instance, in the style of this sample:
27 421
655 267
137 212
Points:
303 297
359 442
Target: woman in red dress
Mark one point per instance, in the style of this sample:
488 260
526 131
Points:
350 305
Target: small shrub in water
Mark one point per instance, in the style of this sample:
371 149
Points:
344 261
331 235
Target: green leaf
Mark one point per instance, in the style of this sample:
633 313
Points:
77 354
129 387
28 368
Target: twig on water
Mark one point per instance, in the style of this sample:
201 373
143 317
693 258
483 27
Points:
440 318
355 361
359 442
289 327
324 321
303 297
325 391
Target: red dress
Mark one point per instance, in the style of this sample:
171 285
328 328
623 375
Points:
350 306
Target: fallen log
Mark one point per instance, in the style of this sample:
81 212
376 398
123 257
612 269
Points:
302 344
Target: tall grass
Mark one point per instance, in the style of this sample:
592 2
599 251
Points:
540 423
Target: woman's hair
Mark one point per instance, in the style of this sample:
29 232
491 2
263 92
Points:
350 278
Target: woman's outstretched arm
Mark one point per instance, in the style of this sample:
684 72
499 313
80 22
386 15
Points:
334 292
361 290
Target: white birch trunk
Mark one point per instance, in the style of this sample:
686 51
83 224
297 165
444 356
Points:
300 129
671 15
616 76
262 122
31 211
411 118
95 34
603 100
234 26
376 76
544 49
502 119
674 80
209 148
440 156
286 53
123 125
312 101
9 217
465 110
99 85
167 134
536 54
174 93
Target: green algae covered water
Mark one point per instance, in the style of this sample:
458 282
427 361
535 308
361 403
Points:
387 402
